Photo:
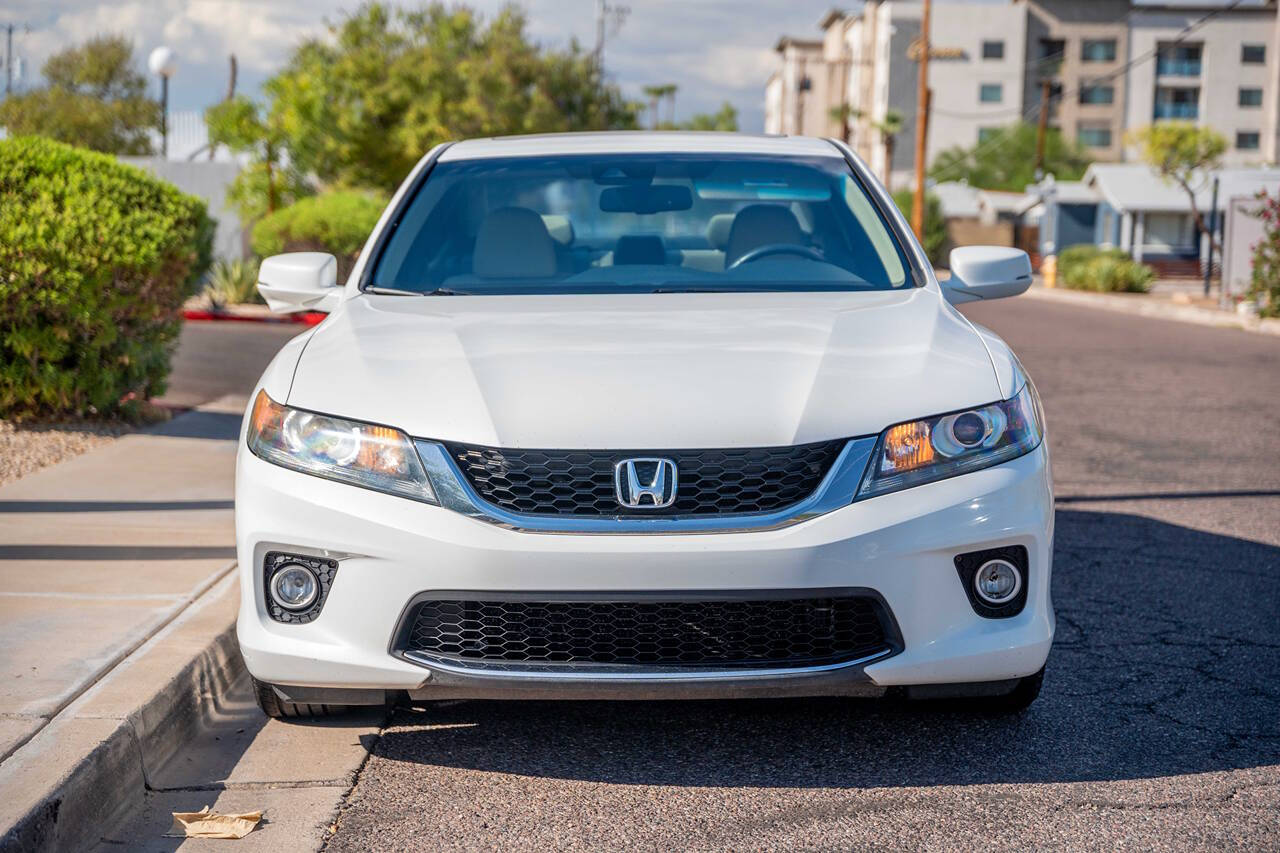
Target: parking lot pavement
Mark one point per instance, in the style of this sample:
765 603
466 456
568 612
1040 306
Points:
219 358
1159 725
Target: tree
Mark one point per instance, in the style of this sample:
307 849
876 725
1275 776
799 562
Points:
890 126
654 94
269 182
360 108
1007 161
935 224
1182 153
94 98
667 92
1265 281
726 119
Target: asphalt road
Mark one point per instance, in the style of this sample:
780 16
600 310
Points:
1159 724
217 359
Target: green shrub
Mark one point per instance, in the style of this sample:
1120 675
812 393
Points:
1108 270
337 222
96 259
233 282
935 224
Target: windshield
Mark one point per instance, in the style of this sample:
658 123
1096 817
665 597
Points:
640 223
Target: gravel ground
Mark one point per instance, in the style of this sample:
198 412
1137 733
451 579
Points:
1158 728
31 446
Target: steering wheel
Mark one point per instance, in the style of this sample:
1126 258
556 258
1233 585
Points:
770 249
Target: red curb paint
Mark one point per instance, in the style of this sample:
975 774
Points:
310 318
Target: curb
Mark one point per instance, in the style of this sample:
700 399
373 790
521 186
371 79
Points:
306 318
95 790
1140 306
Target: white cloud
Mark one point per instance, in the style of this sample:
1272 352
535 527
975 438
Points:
715 50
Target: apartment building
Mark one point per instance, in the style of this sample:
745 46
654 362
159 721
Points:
865 60
1112 65
1225 74
1080 47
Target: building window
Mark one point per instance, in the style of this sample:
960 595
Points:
1248 140
1177 102
993 50
1250 97
1097 94
991 93
1178 60
986 134
1253 54
1098 50
1094 136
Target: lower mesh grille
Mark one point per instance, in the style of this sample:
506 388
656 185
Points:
721 633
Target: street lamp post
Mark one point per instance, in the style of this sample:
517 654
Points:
163 62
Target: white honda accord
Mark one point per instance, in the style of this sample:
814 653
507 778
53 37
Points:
643 415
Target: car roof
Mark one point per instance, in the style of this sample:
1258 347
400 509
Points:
639 142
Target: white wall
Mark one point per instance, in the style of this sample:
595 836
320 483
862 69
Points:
209 181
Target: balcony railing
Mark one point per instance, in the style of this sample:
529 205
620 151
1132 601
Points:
1177 110
1178 67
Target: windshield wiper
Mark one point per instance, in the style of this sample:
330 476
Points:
395 291
702 289
392 291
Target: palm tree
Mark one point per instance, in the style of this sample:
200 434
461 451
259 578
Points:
670 91
842 115
655 93
889 126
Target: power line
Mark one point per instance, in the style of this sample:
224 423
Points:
1004 138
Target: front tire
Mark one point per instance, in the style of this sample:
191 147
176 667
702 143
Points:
1018 699
279 709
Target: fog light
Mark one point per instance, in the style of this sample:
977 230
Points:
294 587
997 582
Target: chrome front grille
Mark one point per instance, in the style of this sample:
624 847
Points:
581 482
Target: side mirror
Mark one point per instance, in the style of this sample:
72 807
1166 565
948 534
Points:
986 272
300 281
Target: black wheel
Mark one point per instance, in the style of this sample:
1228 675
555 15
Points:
1018 699
275 707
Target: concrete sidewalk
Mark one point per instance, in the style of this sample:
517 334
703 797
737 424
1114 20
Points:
101 552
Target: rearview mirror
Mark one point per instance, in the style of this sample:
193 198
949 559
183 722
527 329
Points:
646 198
300 281
986 272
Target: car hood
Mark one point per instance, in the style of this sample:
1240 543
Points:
646 370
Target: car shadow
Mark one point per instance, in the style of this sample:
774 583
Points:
1167 661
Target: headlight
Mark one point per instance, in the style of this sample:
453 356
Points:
946 445
374 457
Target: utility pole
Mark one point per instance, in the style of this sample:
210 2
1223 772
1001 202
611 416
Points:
1042 126
1213 230
922 121
8 54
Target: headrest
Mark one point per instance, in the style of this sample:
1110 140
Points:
761 225
639 249
718 228
559 227
513 243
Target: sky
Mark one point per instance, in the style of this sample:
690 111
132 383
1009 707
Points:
714 50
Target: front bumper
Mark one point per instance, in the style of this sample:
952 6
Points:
900 545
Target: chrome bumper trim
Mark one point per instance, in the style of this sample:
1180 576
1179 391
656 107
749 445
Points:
836 490
447 680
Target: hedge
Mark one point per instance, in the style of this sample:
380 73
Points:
96 259
1087 267
336 222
